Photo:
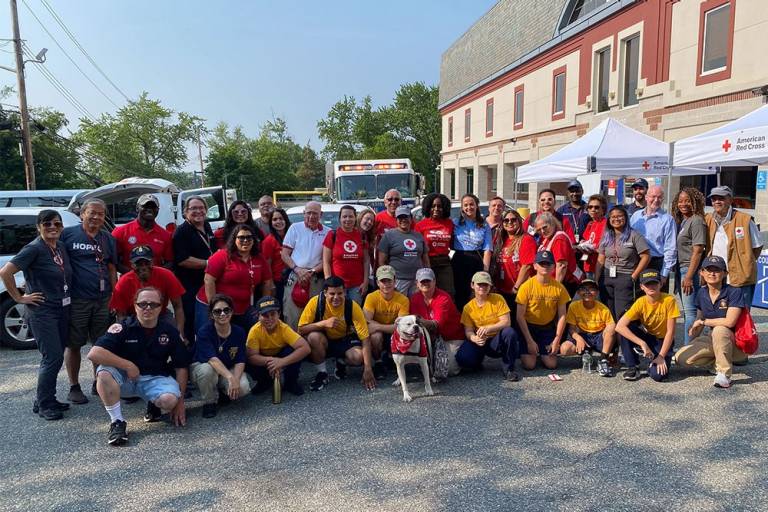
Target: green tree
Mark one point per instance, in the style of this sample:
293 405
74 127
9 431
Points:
311 170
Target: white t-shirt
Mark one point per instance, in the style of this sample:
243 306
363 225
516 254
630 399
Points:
307 244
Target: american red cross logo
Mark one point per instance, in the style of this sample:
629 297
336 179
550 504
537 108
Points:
409 244
726 145
646 165
350 246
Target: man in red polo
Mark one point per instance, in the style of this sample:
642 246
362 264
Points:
144 231
386 219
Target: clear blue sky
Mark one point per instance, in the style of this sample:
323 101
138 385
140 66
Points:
240 61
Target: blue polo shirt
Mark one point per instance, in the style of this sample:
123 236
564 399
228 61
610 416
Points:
90 258
230 351
469 237
730 297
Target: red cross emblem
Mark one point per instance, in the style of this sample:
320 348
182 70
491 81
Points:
409 244
350 246
646 165
726 145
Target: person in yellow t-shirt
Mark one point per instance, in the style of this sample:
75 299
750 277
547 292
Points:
486 322
336 327
274 348
590 327
656 313
381 308
540 314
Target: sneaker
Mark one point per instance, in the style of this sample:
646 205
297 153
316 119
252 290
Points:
294 388
511 375
153 413
51 414
223 398
604 369
341 370
319 382
632 374
117 433
131 399
58 406
721 381
209 410
94 391
76 395
379 370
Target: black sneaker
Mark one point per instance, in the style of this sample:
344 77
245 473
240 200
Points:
76 395
58 406
153 413
209 410
223 398
294 388
94 391
118 434
604 369
632 374
511 375
341 370
51 414
379 370
319 382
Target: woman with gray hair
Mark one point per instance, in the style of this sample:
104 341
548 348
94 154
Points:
557 241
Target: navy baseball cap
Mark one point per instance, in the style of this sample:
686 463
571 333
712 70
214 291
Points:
575 184
640 182
141 252
545 257
714 261
650 276
267 304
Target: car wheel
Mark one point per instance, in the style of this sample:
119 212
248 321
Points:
14 329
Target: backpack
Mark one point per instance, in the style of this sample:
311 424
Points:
320 311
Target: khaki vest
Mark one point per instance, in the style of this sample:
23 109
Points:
742 266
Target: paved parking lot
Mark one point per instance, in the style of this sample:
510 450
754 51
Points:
585 443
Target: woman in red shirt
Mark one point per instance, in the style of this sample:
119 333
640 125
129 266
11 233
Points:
366 224
239 213
437 229
345 255
547 204
557 241
593 233
513 255
237 271
271 248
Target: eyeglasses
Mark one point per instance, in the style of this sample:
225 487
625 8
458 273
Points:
510 221
148 305
392 199
594 207
52 224
241 211
196 208
616 218
244 238
221 311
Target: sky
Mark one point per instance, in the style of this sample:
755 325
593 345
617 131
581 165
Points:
242 62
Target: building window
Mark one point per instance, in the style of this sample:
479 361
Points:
470 183
558 94
450 131
489 117
603 65
580 9
631 70
715 40
519 102
467 124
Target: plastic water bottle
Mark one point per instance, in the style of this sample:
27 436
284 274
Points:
586 362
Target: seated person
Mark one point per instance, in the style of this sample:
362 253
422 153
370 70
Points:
719 307
336 327
590 327
541 302
274 349
438 314
133 360
486 320
219 361
655 333
381 308
146 274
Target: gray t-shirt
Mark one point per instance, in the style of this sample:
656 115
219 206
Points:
624 256
693 231
405 251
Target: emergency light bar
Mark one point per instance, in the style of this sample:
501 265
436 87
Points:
357 167
380 167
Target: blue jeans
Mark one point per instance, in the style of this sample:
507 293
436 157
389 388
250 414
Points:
503 345
688 301
632 359
50 326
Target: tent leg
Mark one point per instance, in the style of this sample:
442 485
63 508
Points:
670 162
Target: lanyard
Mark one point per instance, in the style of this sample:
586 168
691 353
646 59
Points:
59 261
205 240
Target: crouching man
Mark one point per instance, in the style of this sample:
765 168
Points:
132 359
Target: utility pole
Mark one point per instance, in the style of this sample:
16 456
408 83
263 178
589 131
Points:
26 140
200 156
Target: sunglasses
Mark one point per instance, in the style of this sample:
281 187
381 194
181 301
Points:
52 224
594 207
245 238
148 305
221 311
510 221
392 199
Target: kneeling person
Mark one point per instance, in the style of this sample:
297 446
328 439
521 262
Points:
590 326
133 361
219 361
336 327
274 349
381 309
655 334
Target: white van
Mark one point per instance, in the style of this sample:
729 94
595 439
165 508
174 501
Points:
37 198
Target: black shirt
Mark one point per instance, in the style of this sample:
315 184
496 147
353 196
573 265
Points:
149 349
188 241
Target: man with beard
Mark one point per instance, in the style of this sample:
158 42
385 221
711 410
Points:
639 189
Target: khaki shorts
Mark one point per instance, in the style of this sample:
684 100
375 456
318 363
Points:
88 321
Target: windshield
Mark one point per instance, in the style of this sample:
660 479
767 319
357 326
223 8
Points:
357 187
403 183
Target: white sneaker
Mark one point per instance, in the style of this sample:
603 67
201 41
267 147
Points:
721 381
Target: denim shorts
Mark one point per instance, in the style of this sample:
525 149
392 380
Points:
146 387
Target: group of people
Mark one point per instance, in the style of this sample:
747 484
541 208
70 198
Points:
257 297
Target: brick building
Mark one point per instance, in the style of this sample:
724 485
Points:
531 76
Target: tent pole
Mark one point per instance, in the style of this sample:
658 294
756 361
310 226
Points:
514 184
670 162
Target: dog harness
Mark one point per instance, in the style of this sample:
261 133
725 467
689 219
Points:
402 346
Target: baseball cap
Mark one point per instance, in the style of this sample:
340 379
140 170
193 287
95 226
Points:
425 274
385 272
714 261
640 182
721 191
575 184
545 257
267 304
482 278
588 283
141 252
145 199
402 210
650 276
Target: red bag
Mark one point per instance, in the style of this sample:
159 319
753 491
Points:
746 333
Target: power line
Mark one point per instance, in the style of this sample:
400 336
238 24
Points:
67 54
80 47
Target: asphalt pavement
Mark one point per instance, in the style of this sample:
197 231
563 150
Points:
586 443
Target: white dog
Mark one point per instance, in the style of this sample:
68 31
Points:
409 346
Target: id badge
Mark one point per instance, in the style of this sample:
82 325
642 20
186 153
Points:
66 301
611 271
531 230
578 274
577 237
102 285
584 257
